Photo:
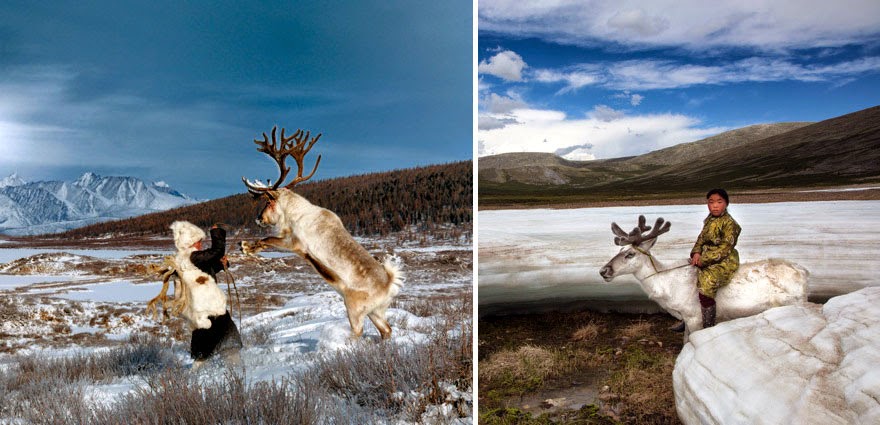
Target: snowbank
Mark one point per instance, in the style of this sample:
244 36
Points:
795 364
555 255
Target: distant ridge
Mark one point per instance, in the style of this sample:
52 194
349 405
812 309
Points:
840 151
435 198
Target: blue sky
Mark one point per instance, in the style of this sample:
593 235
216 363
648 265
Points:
177 91
604 79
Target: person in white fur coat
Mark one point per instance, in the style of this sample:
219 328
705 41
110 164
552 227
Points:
214 332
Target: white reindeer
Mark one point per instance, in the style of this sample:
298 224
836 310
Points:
318 236
755 287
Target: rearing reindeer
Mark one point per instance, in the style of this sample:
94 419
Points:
318 236
755 287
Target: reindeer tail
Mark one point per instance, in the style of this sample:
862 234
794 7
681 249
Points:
396 277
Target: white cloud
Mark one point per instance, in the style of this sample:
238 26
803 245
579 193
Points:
638 22
577 153
665 74
482 85
489 122
506 65
573 80
633 98
495 110
694 24
605 113
623 136
497 104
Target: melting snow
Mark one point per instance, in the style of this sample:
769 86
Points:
528 255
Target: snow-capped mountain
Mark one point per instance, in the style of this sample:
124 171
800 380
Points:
12 180
52 206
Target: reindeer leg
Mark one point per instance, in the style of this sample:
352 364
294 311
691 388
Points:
181 297
378 319
151 305
255 247
356 312
282 241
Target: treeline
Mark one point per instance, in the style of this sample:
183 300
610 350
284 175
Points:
424 199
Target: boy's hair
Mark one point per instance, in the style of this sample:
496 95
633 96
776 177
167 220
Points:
720 192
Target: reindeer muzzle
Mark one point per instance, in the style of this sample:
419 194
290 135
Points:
607 273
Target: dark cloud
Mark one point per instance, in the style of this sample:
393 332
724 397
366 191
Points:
176 91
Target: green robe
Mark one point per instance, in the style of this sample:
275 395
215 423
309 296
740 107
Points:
717 253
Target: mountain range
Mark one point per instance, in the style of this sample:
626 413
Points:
839 151
28 208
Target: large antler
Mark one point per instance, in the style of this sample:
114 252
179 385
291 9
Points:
636 236
297 146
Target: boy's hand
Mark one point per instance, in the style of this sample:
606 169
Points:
695 260
225 261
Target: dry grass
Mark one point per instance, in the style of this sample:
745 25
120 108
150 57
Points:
256 336
528 368
405 380
527 364
587 332
175 397
635 330
370 383
641 388
48 390
37 389
367 384
626 359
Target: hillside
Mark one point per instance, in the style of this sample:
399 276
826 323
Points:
431 198
834 152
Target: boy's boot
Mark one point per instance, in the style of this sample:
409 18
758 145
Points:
708 316
707 307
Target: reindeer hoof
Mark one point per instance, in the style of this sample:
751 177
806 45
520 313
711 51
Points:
248 249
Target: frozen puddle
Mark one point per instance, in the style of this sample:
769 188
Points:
9 282
10 254
120 291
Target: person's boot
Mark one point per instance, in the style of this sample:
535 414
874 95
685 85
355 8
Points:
678 327
708 316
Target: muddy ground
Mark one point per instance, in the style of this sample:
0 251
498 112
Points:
604 368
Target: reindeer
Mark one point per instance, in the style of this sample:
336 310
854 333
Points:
755 287
318 236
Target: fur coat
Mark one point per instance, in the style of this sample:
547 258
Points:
204 297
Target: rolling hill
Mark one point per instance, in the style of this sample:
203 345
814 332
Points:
838 151
429 199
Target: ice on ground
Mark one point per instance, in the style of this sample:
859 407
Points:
120 291
9 254
528 255
318 324
10 282
795 364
